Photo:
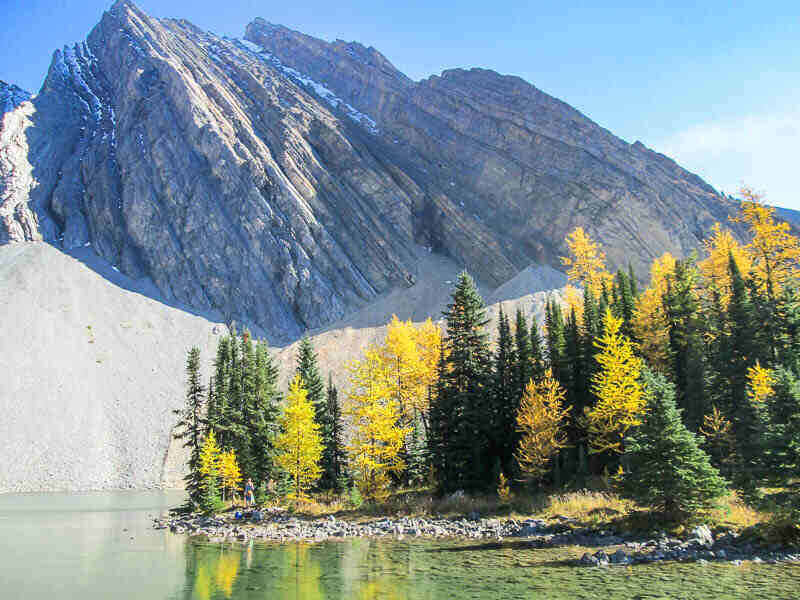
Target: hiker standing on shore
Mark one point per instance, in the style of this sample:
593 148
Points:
249 498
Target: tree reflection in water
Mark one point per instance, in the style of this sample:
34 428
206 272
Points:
292 571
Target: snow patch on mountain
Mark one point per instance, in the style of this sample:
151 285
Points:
308 83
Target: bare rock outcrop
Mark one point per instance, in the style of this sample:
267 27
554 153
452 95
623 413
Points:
286 181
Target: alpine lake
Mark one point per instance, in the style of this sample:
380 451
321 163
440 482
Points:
103 545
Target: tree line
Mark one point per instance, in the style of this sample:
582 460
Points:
675 392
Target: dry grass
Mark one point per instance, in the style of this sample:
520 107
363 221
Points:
735 513
588 506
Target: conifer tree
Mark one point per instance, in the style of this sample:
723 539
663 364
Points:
441 426
625 303
234 425
243 441
528 354
229 474
633 285
264 413
586 261
578 393
774 250
376 444
556 342
217 418
308 371
536 354
686 345
209 470
782 439
650 319
540 422
504 399
333 454
788 329
666 469
299 445
740 347
617 388
191 425
460 446
576 384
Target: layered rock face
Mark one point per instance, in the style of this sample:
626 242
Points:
286 181
11 96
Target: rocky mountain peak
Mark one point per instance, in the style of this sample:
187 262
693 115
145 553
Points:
11 96
285 181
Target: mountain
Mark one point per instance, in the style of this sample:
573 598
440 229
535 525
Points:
285 181
11 96
789 215
166 181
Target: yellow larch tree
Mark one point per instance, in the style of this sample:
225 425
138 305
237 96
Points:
620 399
587 262
540 421
719 439
720 246
650 319
759 383
573 300
209 456
229 473
774 251
377 436
409 356
299 445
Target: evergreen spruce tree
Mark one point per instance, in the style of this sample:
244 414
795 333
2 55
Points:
789 330
781 438
537 353
504 399
524 361
686 344
334 457
634 287
234 428
416 458
332 461
592 328
666 469
577 391
556 342
191 425
460 445
308 370
243 443
441 426
218 417
264 413
626 303
739 350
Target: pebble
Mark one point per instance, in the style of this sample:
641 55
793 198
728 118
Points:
275 524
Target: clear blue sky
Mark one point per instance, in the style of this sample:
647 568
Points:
717 86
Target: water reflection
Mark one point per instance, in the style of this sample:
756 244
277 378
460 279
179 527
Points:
360 569
99 546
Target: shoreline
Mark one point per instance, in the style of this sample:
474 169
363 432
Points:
275 525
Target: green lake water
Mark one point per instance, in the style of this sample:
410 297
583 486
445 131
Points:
87 546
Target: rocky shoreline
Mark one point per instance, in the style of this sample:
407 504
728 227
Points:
277 525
